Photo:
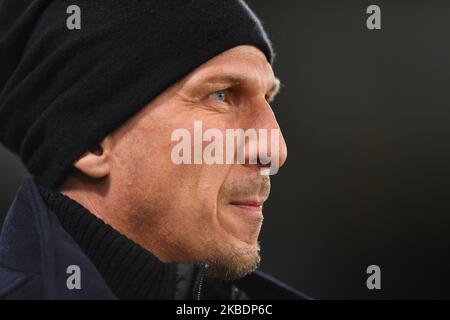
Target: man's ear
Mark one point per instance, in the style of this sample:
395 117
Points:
96 163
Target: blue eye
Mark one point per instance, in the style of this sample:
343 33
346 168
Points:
219 95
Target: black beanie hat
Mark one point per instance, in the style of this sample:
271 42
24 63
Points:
62 91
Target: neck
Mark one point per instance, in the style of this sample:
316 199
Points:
130 271
115 206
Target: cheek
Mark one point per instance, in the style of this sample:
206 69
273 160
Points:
187 193
209 183
184 192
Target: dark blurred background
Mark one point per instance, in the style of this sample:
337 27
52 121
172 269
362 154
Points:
366 118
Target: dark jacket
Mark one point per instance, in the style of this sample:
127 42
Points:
36 251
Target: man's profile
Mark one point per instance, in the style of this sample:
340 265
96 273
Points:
108 213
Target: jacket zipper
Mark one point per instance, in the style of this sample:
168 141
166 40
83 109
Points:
199 282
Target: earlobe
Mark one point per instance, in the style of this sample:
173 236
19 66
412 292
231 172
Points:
95 163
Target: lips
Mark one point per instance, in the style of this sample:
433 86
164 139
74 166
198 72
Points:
249 205
249 195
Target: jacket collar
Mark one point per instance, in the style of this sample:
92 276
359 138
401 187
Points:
33 242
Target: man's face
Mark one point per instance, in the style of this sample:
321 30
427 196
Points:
198 212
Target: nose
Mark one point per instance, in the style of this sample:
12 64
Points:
271 149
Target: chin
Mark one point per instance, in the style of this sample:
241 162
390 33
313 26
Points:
234 261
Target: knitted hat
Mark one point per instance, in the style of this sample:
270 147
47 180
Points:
62 90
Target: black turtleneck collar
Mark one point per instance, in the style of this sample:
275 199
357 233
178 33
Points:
129 270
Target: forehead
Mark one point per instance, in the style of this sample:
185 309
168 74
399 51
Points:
243 64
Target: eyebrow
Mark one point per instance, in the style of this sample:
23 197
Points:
237 79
